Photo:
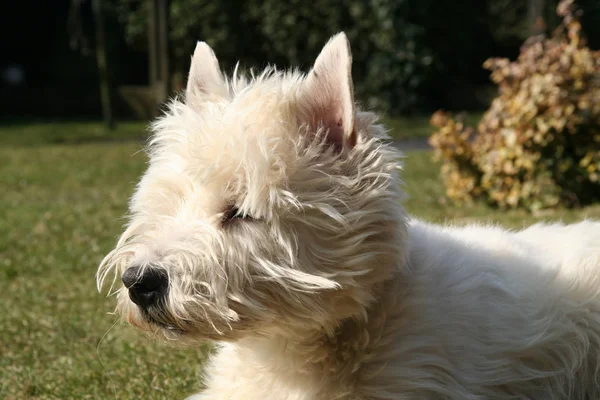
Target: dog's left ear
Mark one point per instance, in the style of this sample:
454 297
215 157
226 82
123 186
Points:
328 95
205 78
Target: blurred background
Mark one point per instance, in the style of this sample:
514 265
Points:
518 142
410 57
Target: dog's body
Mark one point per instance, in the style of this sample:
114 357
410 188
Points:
270 220
483 314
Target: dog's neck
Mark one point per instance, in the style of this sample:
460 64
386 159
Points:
339 354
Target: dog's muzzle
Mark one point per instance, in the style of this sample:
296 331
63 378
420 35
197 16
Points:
147 286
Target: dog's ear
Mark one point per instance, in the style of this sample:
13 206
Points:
328 94
205 77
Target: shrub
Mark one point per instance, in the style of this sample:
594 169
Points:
538 145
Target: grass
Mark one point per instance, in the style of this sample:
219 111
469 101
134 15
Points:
27 134
60 212
402 128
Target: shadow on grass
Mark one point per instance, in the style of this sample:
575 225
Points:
20 133
405 128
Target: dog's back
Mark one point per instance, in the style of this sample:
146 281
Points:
502 314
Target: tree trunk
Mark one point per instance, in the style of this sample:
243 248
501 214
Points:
163 48
152 46
536 16
104 79
158 51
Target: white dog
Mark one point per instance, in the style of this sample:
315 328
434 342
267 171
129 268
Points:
270 220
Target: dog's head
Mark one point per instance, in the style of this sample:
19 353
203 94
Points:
270 206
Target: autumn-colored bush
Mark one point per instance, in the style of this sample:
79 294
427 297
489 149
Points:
538 145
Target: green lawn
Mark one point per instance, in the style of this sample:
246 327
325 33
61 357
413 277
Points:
60 212
418 126
27 134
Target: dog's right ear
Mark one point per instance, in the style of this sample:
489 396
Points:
328 96
205 78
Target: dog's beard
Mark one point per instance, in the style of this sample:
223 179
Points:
155 320
161 322
159 317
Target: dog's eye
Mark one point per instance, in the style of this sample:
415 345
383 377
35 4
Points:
233 213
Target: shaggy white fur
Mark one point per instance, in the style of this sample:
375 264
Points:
273 208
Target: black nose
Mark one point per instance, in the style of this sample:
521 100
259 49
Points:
147 286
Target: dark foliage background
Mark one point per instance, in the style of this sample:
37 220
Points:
410 56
